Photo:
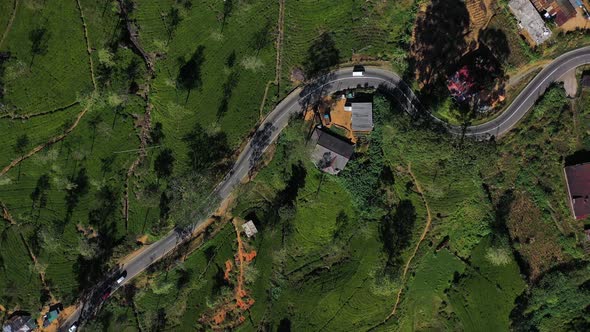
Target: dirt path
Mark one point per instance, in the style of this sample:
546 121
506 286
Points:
52 141
38 268
6 214
279 59
88 48
133 36
145 125
9 25
517 76
422 237
14 116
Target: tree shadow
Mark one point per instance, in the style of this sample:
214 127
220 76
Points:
206 150
321 56
228 87
395 231
496 42
261 140
189 74
314 92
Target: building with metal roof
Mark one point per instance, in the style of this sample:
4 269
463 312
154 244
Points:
529 19
578 189
331 154
362 115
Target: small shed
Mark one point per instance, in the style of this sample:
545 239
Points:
249 228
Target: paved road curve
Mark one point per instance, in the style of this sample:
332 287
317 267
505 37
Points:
278 119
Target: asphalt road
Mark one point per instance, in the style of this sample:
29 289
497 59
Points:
294 103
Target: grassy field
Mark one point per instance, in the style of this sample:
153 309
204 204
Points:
57 74
484 294
70 186
178 109
378 30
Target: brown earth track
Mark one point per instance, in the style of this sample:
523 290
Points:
9 25
88 48
14 116
52 141
279 60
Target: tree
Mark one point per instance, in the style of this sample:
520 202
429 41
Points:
39 195
93 122
22 143
231 59
189 75
396 230
79 187
39 38
228 87
205 150
228 6
164 164
173 19
261 38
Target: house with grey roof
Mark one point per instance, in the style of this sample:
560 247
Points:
331 154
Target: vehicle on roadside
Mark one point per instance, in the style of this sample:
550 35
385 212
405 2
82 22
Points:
74 327
122 277
358 71
106 294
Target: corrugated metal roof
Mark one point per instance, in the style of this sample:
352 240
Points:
578 182
331 154
362 116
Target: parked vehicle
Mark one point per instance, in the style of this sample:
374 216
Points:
73 328
122 277
106 294
358 71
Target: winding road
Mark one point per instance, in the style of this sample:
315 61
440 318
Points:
293 104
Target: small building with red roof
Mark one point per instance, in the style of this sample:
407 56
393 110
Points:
578 189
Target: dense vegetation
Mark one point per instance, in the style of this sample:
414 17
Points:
144 110
121 109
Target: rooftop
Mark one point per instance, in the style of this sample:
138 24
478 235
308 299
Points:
530 20
331 154
578 186
362 116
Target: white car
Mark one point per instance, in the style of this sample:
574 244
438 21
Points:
122 277
358 71
73 328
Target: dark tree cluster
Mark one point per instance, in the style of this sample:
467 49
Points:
164 164
439 40
206 150
321 56
39 195
395 232
39 38
4 57
79 188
